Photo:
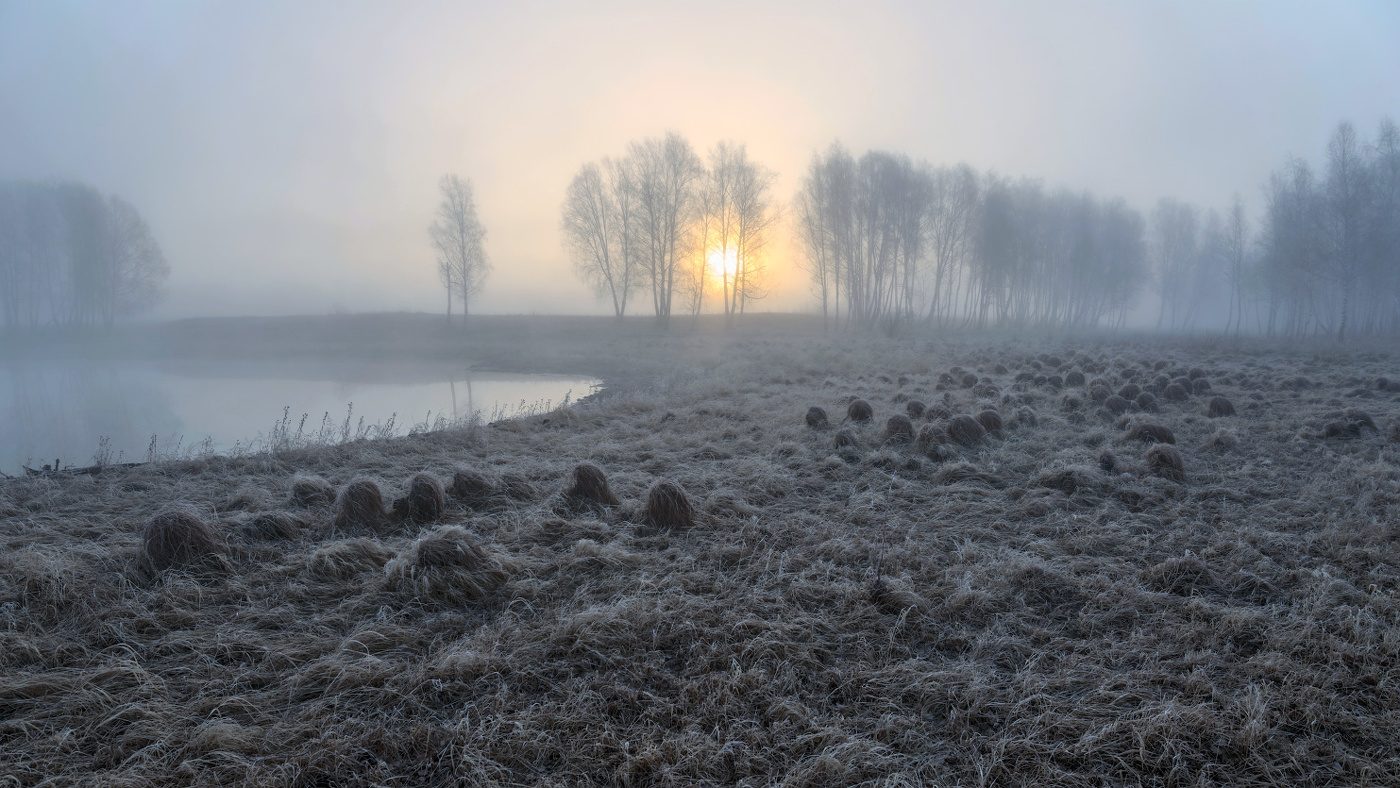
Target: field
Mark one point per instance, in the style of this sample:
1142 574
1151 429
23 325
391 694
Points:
1044 607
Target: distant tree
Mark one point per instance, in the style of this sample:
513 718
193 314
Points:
1383 237
1175 250
599 230
954 202
811 222
70 257
1346 201
750 216
458 237
825 212
665 173
1236 254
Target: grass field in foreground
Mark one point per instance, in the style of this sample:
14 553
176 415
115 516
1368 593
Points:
1039 608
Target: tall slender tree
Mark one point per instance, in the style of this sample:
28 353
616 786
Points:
666 173
598 229
458 238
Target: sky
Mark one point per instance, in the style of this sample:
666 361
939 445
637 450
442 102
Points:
287 154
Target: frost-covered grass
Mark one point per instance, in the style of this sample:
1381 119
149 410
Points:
895 613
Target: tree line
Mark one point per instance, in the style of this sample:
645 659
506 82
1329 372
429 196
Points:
1326 259
70 257
887 240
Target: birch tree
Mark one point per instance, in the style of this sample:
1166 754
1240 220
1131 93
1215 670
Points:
598 230
458 238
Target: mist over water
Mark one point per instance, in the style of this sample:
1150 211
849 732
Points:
80 412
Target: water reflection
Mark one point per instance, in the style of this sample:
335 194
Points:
74 411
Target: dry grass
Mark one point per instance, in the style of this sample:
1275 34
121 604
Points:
472 487
990 421
1149 432
966 431
1164 460
1002 613
1219 407
898 430
312 491
424 502
590 491
360 506
447 565
178 538
668 507
859 410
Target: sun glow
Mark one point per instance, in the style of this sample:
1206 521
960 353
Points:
722 264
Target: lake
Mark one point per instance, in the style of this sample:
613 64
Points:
74 411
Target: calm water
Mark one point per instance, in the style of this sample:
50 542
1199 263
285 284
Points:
72 410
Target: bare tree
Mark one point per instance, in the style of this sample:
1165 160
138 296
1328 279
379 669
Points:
753 215
811 214
597 224
665 173
458 237
1346 205
1384 236
951 222
1236 252
1175 239
138 267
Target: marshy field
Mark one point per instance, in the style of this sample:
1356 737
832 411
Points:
986 560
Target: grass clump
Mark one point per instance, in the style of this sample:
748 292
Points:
518 488
472 487
1116 405
898 430
589 491
990 420
667 507
859 410
360 506
275 527
1164 460
312 491
447 565
1219 407
425 500
345 560
931 439
845 441
966 431
178 538
1148 432
1147 401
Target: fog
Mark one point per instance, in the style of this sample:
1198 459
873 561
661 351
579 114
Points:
286 156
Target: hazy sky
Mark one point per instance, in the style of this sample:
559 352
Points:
287 154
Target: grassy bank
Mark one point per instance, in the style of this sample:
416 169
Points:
1041 607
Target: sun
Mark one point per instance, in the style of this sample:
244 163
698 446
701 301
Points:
722 264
